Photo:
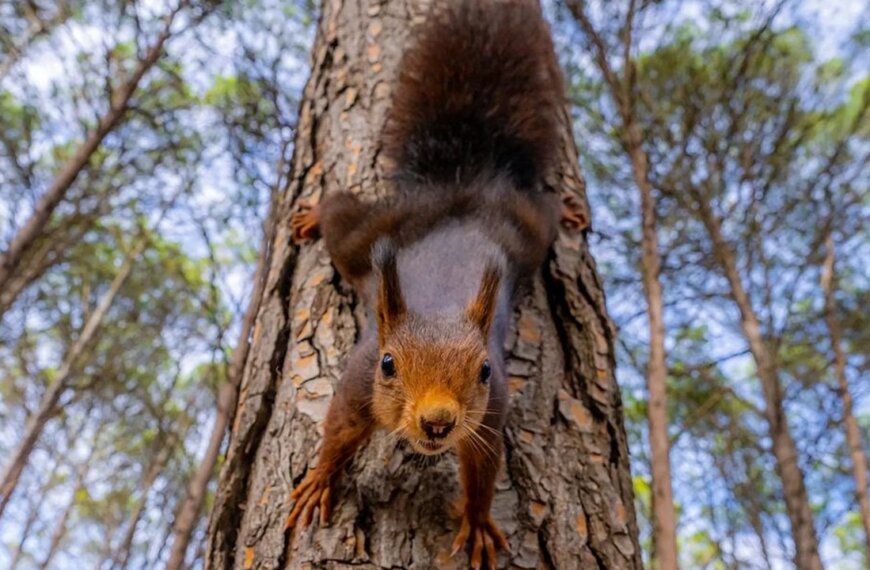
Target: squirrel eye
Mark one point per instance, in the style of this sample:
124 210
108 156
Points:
388 366
485 372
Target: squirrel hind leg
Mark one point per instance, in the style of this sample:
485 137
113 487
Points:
305 224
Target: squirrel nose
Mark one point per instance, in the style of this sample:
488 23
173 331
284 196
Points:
437 429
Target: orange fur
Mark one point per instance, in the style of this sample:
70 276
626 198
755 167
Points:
425 382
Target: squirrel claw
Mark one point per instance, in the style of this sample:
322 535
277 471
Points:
485 537
314 491
305 223
573 213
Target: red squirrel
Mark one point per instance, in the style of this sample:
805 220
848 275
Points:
473 132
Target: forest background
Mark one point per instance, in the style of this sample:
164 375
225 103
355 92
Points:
142 142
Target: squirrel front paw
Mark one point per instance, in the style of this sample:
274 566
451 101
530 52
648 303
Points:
484 536
315 490
305 223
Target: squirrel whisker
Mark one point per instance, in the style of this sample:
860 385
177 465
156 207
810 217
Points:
476 437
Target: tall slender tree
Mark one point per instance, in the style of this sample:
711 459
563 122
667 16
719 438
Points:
61 526
853 431
117 105
121 555
228 393
622 86
728 126
61 381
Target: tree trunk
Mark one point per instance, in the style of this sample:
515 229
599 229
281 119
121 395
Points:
120 97
664 518
564 497
664 515
755 521
48 405
60 527
49 250
31 519
797 502
228 395
122 553
853 432
29 271
36 510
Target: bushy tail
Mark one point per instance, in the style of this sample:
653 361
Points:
479 91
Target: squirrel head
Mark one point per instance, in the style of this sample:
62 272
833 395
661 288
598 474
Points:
432 378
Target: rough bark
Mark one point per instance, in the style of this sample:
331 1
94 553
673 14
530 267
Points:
664 518
188 515
120 97
48 404
785 453
853 432
564 497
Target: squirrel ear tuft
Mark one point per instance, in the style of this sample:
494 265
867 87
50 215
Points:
390 303
481 311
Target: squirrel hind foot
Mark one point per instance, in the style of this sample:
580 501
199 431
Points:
573 214
305 224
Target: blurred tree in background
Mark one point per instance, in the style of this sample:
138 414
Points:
139 147
141 144
756 140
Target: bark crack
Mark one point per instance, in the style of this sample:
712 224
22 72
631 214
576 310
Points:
556 292
544 550
229 516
